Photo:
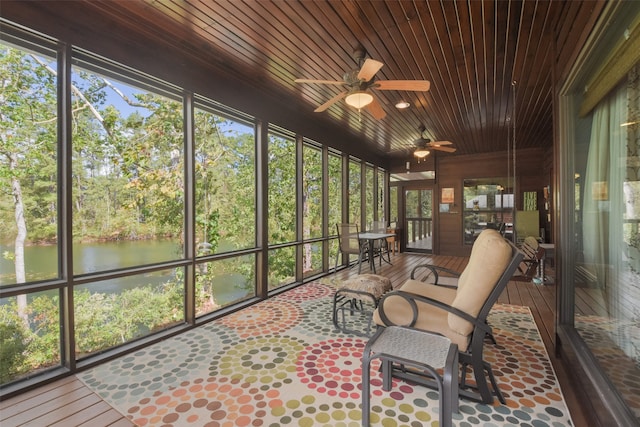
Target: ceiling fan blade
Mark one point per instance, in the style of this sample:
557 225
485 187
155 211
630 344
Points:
376 110
369 69
330 102
446 149
439 143
415 85
322 82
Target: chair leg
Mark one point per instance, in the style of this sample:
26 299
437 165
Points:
481 381
363 250
334 317
494 385
366 361
387 374
449 400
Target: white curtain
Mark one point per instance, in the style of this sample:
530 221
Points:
603 191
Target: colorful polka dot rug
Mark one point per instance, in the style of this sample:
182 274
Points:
282 363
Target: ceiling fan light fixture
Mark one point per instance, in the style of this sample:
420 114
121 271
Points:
421 153
401 105
359 99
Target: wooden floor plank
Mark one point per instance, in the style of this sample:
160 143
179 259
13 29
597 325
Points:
64 385
38 409
105 418
91 414
64 412
123 422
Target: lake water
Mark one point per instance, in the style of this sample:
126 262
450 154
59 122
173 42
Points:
41 262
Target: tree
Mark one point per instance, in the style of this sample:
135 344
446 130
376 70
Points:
27 123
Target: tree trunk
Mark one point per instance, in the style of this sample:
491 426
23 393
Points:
21 236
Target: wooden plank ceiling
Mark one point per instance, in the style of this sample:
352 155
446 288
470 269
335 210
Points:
490 63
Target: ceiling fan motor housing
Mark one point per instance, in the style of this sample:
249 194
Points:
351 79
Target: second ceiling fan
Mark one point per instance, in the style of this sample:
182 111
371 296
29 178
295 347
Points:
360 84
424 144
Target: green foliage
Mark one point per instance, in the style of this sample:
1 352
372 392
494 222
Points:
282 189
12 346
28 140
225 183
106 320
101 320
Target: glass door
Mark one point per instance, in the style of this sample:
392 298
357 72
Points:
418 220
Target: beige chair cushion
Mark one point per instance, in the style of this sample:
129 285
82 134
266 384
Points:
477 244
489 259
431 318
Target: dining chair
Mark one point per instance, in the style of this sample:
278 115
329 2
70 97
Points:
349 243
381 247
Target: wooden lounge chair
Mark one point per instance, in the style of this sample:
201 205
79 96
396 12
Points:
530 264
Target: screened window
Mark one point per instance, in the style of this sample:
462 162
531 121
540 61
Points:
282 189
128 174
312 192
223 282
393 204
355 193
312 225
147 190
112 312
335 201
28 166
282 208
381 193
29 251
370 191
225 183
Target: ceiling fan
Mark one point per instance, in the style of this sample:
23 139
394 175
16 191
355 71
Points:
424 144
360 84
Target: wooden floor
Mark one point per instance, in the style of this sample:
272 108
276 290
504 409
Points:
64 403
68 402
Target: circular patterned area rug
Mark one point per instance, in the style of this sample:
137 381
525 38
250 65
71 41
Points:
281 363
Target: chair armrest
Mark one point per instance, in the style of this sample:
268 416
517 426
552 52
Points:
436 271
411 298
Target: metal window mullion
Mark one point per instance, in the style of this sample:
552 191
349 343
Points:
65 203
363 195
375 194
325 209
345 197
299 251
189 208
262 207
